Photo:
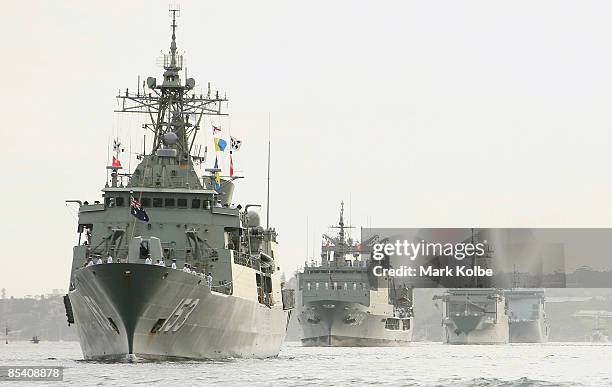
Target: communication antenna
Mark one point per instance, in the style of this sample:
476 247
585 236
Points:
268 195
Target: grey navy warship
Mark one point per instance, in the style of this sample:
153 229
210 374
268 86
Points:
527 315
474 316
340 304
225 298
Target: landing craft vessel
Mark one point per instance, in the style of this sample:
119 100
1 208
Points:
230 301
341 304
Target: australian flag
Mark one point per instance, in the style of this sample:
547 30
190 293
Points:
137 210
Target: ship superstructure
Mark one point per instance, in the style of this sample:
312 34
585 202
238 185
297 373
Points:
224 298
341 304
527 315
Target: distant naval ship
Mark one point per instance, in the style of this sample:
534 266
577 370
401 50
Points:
341 304
225 297
474 316
527 316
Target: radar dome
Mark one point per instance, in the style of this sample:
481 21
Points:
253 219
170 138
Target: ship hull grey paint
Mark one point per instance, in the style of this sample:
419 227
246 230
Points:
117 307
348 324
528 332
474 316
484 333
527 315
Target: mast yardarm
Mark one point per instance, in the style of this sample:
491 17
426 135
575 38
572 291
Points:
175 111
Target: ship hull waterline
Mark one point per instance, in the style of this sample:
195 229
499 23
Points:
151 312
473 330
347 324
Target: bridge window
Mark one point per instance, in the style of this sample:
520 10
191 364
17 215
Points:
392 324
181 203
158 202
169 202
119 201
146 202
195 203
406 324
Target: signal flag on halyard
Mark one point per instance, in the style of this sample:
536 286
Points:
116 162
217 176
220 144
137 210
235 143
231 165
216 129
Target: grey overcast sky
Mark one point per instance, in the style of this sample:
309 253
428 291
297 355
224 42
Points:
415 113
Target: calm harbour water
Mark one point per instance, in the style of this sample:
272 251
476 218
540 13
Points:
420 364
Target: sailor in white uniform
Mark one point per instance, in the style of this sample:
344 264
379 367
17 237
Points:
99 261
148 261
162 263
209 280
109 259
174 263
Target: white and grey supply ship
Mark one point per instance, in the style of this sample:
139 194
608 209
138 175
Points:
340 304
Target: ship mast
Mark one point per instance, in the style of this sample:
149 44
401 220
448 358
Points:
174 110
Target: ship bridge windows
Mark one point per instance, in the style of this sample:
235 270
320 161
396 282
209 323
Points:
116 201
406 324
169 202
181 203
146 202
392 324
158 202
195 203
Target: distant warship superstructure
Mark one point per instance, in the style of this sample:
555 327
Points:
341 304
474 316
599 332
233 306
526 315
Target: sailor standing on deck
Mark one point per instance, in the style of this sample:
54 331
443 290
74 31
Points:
209 280
109 259
148 261
174 263
162 263
186 268
99 261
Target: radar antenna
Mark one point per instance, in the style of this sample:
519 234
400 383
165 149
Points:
174 109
